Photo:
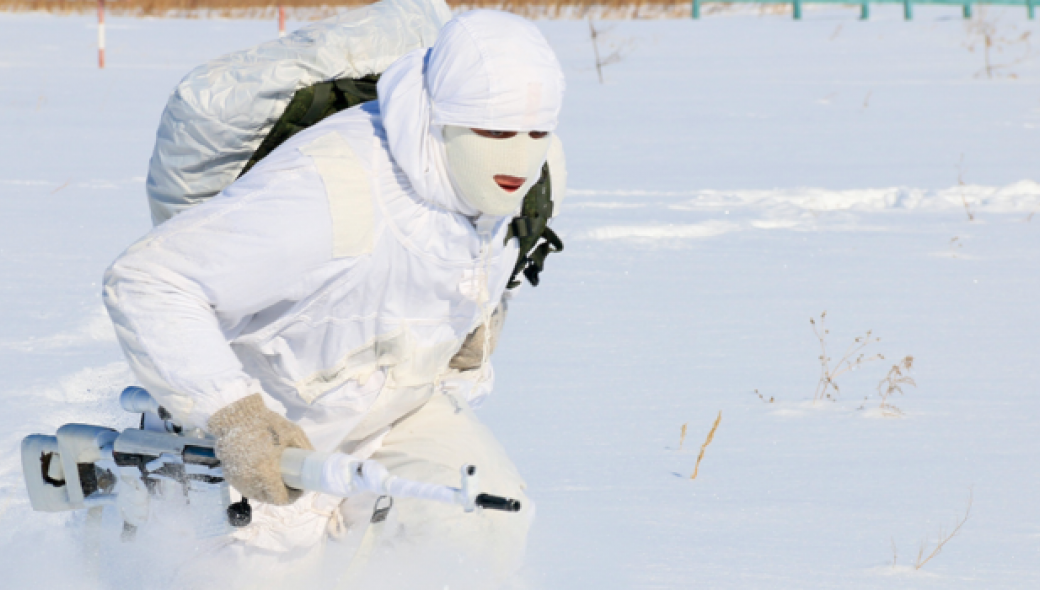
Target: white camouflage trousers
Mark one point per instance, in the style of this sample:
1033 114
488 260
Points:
422 544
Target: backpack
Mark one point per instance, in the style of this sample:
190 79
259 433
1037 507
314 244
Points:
228 114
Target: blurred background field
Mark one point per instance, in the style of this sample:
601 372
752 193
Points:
314 9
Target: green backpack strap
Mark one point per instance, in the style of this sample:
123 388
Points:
312 104
532 226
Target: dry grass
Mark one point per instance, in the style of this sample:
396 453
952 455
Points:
711 435
996 40
315 9
191 8
854 358
897 377
943 538
614 49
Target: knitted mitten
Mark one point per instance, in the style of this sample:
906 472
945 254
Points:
250 441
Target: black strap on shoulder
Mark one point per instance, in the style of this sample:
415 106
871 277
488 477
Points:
312 104
319 104
532 227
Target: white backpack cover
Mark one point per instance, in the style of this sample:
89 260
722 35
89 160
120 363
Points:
219 114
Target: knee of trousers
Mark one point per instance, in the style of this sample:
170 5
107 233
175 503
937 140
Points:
432 445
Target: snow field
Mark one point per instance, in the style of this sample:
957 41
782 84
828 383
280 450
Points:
731 179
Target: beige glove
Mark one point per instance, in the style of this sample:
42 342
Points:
470 355
250 441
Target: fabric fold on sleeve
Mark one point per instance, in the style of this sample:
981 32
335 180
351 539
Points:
178 296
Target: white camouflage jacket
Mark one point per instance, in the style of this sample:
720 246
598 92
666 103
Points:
341 269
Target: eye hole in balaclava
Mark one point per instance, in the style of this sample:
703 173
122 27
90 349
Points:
493 170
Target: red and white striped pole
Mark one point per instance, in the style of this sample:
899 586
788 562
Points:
101 34
281 20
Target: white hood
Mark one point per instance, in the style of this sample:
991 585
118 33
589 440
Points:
487 70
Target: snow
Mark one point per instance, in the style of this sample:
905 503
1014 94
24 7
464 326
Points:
731 179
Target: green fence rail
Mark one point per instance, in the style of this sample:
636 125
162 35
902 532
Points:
908 5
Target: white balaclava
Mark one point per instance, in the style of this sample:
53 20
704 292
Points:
474 163
488 70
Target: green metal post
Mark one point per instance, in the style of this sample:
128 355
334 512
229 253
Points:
1031 7
967 10
797 9
864 10
908 10
696 8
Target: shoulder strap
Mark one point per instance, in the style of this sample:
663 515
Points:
312 104
532 227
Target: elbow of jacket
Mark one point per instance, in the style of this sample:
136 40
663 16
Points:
114 275
117 277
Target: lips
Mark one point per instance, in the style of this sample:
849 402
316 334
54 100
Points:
509 183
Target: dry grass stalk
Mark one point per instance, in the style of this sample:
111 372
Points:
62 186
682 436
707 442
595 50
854 357
612 58
987 31
897 377
763 398
943 538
